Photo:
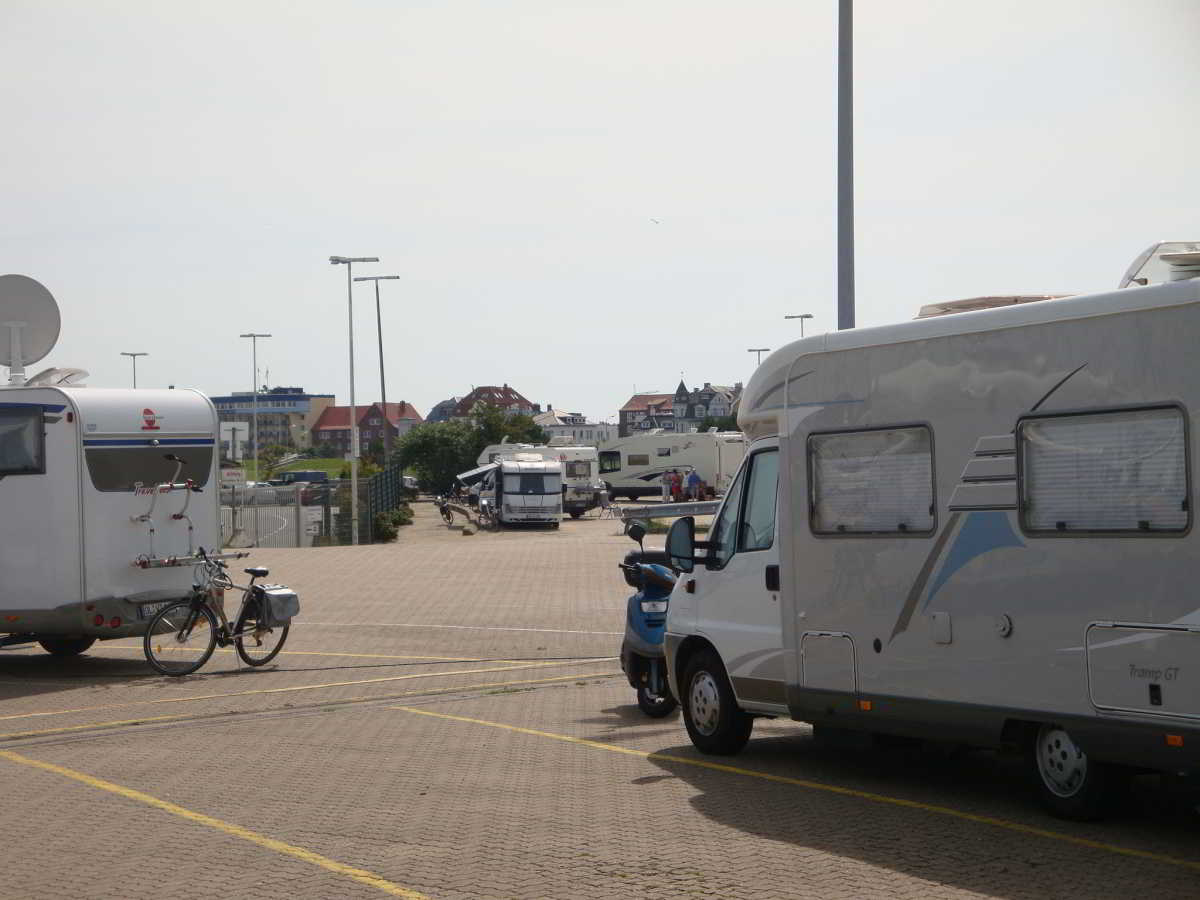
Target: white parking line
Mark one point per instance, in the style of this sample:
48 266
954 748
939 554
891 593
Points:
461 627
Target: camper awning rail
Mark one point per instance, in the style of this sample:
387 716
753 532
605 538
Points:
169 562
474 475
671 510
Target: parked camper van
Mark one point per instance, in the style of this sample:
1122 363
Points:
581 484
633 466
977 527
106 497
524 488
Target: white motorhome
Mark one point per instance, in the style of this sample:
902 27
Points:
633 466
524 488
580 468
977 527
105 495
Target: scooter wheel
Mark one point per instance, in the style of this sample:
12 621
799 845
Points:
654 705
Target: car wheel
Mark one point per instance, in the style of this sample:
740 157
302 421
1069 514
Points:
1070 785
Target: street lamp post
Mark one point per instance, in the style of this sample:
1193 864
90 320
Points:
801 317
134 356
348 262
845 167
387 427
254 336
760 351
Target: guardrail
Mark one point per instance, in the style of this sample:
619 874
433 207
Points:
670 510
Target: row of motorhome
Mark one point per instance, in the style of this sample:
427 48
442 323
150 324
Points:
977 527
579 467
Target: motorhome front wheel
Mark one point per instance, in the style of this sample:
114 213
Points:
715 723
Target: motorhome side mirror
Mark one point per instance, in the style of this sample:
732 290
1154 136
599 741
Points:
636 531
681 544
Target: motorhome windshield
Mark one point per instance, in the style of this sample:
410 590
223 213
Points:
116 469
532 484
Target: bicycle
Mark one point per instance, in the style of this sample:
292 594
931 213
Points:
182 636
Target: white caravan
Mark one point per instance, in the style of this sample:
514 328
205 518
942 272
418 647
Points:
983 532
633 466
105 498
524 488
580 468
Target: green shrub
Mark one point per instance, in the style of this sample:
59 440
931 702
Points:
387 524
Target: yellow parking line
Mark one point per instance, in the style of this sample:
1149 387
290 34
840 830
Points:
828 788
362 876
138 648
145 720
301 687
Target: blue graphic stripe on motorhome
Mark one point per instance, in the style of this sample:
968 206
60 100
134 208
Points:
151 442
981 533
45 407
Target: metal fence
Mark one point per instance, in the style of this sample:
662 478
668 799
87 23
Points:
307 515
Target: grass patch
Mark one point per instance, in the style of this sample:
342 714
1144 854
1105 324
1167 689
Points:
662 526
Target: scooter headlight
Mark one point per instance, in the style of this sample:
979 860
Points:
654 606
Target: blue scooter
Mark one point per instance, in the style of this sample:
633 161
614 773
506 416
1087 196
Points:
642 658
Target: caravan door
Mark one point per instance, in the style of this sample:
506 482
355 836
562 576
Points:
737 589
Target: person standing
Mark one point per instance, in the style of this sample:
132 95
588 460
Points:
693 485
665 478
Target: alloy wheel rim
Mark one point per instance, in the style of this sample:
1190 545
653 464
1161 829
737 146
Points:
705 703
1061 763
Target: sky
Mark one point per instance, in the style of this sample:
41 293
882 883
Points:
581 199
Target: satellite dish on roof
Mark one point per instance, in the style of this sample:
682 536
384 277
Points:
29 324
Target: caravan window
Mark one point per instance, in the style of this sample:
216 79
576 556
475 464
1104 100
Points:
638 459
1116 472
579 469
22 441
532 484
116 469
610 461
872 482
664 451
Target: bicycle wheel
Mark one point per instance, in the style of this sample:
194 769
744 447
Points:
257 643
181 638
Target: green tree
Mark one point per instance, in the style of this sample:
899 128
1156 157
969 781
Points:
493 425
437 452
269 459
721 423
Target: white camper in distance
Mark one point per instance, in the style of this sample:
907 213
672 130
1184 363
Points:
633 466
977 527
580 467
524 488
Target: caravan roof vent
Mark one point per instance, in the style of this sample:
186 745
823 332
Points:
972 304
1164 261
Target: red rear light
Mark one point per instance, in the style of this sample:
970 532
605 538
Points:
114 622
98 620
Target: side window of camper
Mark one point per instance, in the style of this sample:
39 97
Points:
610 461
757 528
723 538
1122 472
664 451
872 482
22 441
116 469
638 459
579 469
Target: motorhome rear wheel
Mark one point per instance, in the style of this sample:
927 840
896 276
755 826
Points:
714 721
1069 784
60 646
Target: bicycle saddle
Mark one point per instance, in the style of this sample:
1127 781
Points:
257 571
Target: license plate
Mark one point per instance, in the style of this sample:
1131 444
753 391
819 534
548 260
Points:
148 610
